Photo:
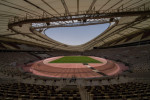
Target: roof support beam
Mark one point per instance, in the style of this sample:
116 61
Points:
18 9
104 5
119 30
51 7
6 17
122 24
65 7
11 12
139 28
124 4
77 6
114 5
38 7
143 5
2 23
132 4
91 6
125 27
6 14
8 35
3 20
20 6
96 16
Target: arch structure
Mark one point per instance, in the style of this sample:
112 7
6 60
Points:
24 21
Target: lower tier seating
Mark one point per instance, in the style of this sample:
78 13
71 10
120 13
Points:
23 91
124 91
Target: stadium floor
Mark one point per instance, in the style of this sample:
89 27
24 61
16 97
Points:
78 70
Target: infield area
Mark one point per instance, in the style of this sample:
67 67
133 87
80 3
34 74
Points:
75 59
72 66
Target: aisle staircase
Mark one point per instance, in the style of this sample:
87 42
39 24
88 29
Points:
84 94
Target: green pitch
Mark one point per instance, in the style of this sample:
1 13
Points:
75 59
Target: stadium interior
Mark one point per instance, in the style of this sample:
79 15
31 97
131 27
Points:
120 56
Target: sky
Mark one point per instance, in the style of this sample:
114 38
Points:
76 35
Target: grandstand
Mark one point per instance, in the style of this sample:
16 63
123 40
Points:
113 66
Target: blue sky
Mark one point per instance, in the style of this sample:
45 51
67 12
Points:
76 35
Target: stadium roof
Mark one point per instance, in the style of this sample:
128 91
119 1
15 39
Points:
24 20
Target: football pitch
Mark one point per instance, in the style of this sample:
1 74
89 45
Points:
75 59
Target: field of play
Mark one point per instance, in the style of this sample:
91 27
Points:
75 59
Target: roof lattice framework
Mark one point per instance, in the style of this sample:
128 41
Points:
130 17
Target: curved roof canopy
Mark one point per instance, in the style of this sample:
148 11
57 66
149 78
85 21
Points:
24 20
